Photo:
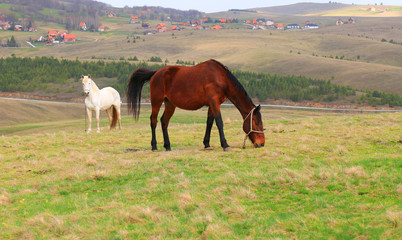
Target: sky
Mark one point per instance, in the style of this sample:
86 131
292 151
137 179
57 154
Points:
209 6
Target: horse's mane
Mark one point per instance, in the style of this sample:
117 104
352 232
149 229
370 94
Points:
234 80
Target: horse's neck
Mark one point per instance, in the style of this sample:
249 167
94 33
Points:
94 89
240 99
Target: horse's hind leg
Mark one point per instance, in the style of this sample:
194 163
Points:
156 105
118 115
109 114
167 114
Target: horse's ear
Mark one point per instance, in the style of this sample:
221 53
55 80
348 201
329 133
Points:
89 76
82 76
258 108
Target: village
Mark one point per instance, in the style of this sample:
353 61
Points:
56 36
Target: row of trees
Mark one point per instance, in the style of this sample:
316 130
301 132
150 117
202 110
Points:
34 74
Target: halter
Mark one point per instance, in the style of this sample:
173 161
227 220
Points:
251 126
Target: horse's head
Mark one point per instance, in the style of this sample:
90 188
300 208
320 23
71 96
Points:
86 84
252 126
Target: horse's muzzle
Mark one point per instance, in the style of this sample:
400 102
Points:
256 145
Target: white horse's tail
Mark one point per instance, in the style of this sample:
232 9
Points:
114 118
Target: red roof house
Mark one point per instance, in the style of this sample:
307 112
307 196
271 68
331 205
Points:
69 38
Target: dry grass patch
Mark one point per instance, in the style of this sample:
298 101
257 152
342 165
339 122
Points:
4 197
395 218
356 171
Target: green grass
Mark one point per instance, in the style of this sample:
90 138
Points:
5 6
320 176
50 12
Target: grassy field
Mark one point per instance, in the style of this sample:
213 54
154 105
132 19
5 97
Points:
320 176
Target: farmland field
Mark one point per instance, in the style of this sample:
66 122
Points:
320 175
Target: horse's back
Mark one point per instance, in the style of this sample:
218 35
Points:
109 96
190 87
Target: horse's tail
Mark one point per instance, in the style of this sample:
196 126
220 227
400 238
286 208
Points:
114 118
134 87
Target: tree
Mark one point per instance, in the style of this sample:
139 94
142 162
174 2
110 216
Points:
12 42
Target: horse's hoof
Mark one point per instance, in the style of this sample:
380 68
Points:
208 149
228 149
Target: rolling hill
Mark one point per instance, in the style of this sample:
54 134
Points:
333 9
302 8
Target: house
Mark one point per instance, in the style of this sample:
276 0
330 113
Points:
293 26
161 27
352 20
176 28
18 28
339 22
101 29
69 37
4 25
53 34
145 25
111 14
199 27
311 26
134 19
270 22
280 26
216 27
83 26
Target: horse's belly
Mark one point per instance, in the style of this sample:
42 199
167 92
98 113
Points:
186 100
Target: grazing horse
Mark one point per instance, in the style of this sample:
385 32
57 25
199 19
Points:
105 99
207 84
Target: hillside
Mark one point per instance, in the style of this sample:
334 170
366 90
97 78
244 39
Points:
332 9
305 8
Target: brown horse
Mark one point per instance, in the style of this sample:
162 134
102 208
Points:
207 84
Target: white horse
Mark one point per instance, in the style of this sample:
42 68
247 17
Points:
105 99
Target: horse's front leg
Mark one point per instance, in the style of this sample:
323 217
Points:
219 124
216 112
97 113
89 114
210 123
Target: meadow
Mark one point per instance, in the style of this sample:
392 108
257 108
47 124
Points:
319 176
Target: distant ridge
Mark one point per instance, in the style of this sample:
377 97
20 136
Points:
302 8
